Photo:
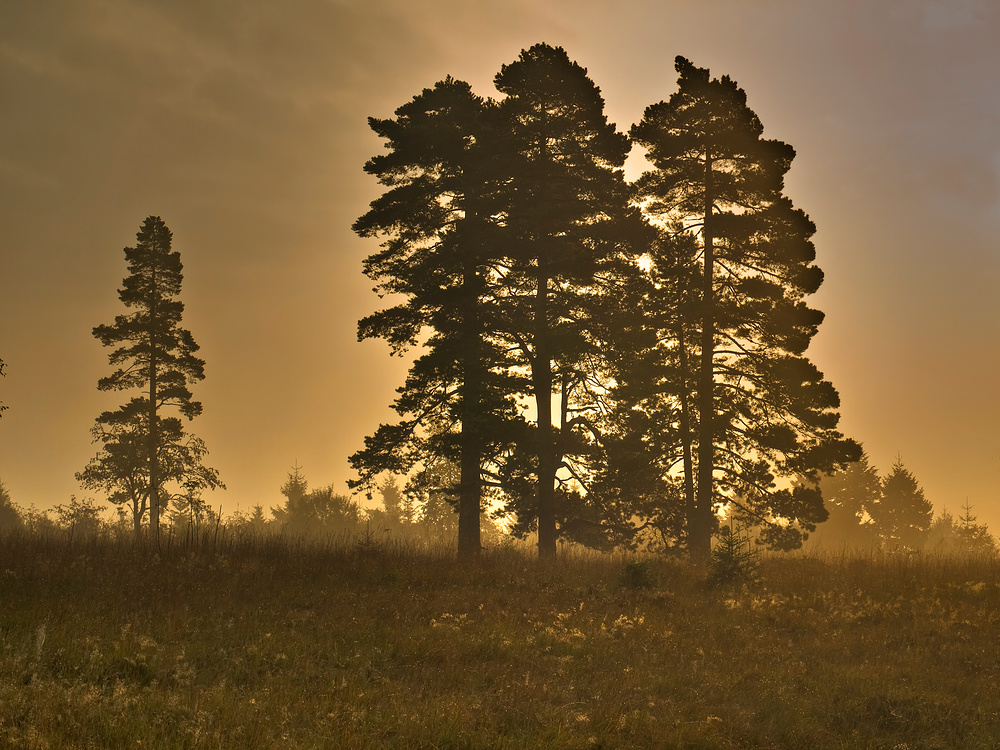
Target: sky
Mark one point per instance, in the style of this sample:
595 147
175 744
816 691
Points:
243 124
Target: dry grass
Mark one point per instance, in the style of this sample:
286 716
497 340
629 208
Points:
269 644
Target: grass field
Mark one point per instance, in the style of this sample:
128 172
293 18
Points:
272 644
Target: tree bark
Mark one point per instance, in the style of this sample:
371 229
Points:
686 440
137 522
541 373
470 488
154 468
700 525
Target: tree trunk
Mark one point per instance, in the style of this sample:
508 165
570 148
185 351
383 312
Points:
470 489
137 520
688 460
541 375
154 468
700 525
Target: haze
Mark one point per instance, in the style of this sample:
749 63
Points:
243 125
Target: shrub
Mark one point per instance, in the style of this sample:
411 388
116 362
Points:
638 574
733 560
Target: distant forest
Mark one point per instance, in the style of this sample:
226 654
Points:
612 364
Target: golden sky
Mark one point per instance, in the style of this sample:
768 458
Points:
242 123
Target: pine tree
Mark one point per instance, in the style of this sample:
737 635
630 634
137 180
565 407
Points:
143 449
322 511
942 537
257 520
437 218
567 230
295 489
973 537
392 500
761 408
849 494
10 513
650 422
902 516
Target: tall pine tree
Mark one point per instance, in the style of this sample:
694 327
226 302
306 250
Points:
438 220
144 443
762 409
567 229
649 451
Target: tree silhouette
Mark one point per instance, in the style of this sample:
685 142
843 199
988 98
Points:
295 488
322 511
142 447
567 229
437 218
189 513
121 468
10 513
942 536
973 537
392 517
649 425
761 409
902 515
81 518
849 495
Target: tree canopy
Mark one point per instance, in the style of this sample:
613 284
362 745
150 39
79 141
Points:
605 358
760 409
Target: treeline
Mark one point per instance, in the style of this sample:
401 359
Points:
891 512
420 514
605 362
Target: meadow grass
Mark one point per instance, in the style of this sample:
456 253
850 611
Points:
270 643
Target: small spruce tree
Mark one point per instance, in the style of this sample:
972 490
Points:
902 515
972 537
